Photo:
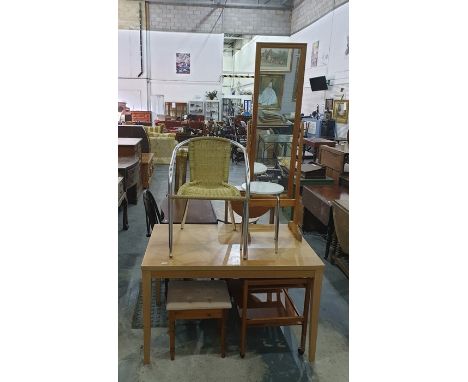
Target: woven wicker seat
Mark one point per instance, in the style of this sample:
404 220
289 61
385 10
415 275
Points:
223 190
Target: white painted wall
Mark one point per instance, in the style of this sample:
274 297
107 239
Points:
331 30
206 56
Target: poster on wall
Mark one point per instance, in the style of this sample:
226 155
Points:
276 60
315 52
183 63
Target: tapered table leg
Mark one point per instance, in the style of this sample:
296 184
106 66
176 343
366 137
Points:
314 313
146 289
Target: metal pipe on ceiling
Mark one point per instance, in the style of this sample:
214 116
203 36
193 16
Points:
218 5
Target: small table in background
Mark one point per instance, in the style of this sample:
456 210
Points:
318 201
315 143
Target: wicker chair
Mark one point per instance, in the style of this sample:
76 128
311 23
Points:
209 159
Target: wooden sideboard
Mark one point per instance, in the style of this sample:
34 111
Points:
129 169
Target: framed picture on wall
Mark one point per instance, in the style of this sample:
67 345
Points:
341 111
329 104
315 53
270 91
275 60
183 63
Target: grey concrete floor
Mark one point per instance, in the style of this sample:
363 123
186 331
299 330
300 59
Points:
197 350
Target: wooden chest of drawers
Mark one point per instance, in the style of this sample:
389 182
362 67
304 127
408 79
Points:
130 147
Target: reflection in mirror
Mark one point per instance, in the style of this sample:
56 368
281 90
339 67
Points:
276 108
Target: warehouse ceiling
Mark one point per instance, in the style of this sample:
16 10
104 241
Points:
266 4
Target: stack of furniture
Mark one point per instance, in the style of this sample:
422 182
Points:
146 165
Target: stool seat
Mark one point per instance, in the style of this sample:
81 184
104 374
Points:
264 188
195 295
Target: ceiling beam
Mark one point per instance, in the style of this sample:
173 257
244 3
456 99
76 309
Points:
219 5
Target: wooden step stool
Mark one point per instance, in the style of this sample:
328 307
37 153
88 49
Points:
194 300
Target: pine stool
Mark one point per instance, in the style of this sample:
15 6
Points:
191 299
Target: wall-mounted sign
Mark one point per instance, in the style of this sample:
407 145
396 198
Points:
141 116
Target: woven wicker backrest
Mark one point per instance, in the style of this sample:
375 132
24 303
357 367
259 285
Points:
209 159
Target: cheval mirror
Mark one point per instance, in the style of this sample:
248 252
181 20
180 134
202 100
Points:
275 133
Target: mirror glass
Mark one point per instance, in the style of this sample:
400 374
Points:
276 111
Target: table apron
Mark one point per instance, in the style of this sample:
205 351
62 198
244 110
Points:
254 274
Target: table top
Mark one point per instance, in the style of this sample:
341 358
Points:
318 141
264 188
199 212
129 141
276 138
216 247
338 149
259 168
327 193
126 162
146 157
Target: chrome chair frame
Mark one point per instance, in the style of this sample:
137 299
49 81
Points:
171 196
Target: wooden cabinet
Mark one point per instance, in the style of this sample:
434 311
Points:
130 147
334 159
146 169
174 110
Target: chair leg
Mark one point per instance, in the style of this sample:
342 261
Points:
171 222
231 212
185 215
172 335
277 222
223 334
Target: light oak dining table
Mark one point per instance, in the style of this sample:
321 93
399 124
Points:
213 251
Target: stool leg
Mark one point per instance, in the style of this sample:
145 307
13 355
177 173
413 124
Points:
223 334
172 335
277 222
185 215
